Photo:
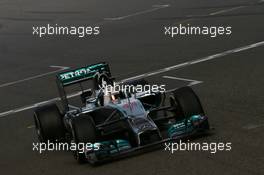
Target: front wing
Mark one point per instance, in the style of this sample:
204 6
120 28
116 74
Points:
117 149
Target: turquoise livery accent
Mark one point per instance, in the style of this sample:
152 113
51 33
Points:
184 126
107 148
81 73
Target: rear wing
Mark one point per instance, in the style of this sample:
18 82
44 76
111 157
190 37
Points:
82 74
77 76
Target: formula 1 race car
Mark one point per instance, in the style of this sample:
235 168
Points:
117 123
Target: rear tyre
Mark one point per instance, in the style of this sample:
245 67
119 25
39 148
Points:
186 102
83 131
48 123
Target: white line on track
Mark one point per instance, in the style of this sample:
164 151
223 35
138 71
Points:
178 66
253 126
200 60
24 108
31 126
226 10
191 82
154 8
192 17
59 68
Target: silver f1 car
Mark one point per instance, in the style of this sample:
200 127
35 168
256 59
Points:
120 123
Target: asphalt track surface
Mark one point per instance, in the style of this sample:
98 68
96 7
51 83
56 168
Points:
231 89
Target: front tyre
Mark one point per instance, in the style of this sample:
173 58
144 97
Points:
83 132
186 102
